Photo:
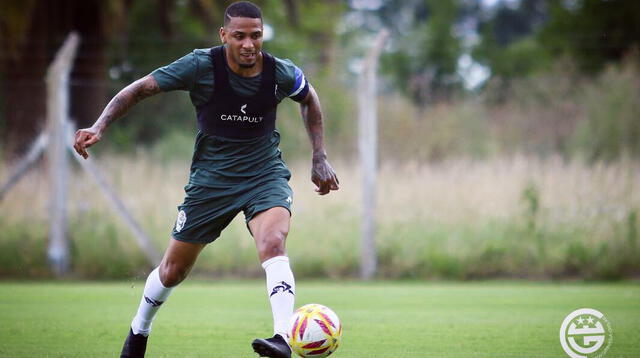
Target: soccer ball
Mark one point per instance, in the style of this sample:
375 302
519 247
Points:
314 331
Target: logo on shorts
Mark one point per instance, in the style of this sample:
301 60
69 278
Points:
289 200
182 218
586 333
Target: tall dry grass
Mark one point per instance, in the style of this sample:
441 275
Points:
557 112
458 218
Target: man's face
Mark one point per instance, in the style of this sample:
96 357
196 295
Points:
243 36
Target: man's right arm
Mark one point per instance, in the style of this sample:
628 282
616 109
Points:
117 107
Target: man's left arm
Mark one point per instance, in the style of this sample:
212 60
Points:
322 174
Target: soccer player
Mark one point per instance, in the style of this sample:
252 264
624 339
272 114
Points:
236 163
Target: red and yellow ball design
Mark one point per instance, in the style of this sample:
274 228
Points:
315 331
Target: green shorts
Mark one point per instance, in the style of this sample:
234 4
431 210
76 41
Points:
206 211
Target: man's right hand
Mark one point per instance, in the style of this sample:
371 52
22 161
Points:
85 138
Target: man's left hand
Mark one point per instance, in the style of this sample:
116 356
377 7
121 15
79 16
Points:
323 176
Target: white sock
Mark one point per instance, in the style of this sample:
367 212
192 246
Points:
281 290
154 295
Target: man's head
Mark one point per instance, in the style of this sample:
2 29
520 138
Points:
242 33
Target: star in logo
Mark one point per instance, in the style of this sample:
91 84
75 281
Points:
580 320
590 320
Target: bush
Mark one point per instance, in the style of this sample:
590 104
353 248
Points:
611 128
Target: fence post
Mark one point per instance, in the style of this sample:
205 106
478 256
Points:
57 112
368 148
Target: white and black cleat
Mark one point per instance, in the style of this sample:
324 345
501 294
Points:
275 347
134 346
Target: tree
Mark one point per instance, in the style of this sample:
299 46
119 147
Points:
32 31
118 38
594 32
424 46
508 43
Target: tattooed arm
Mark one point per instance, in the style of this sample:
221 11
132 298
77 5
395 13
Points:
322 174
117 107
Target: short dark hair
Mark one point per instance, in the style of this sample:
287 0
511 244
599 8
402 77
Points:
242 9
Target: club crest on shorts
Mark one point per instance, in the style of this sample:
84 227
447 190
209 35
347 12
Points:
182 218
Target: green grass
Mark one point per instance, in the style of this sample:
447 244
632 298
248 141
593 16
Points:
382 319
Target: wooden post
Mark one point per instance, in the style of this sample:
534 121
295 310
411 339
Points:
57 113
368 148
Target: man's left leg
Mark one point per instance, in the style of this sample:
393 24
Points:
269 229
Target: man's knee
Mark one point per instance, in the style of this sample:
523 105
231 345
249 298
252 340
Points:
272 244
171 274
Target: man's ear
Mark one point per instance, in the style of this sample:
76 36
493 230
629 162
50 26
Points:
222 37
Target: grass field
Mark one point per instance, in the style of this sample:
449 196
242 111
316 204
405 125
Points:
402 319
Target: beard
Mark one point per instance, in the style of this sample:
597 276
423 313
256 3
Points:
246 65
241 61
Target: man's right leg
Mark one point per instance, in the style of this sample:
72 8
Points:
175 266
